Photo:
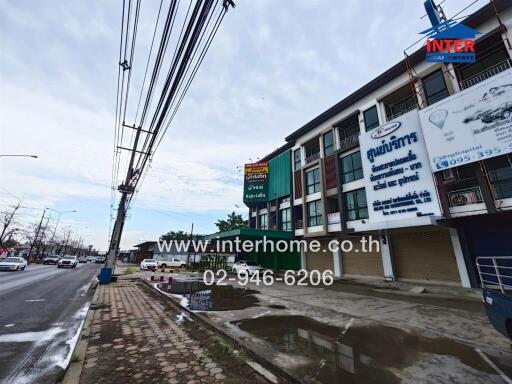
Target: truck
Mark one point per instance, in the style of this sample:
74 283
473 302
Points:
172 263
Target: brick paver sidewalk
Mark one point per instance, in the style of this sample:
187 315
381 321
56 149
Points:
135 337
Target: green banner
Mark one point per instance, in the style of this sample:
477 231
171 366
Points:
255 182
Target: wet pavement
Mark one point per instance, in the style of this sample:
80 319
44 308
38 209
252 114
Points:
136 337
198 296
315 352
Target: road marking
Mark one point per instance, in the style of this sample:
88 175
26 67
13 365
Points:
261 314
9 325
34 300
505 378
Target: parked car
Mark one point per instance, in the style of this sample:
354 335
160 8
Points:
68 262
173 263
148 264
90 259
250 267
13 264
51 259
82 260
99 259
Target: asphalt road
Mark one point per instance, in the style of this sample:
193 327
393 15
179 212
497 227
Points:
41 310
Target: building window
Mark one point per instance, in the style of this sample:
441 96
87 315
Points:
435 87
500 174
286 219
371 118
356 207
296 159
348 127
315 213
328 143
351 167
263 221
313 181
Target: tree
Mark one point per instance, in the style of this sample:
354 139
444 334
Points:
8 222
174 235
234 221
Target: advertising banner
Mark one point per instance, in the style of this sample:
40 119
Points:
255 182
471 125
398 178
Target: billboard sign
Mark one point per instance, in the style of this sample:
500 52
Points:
474 124
255 182
398 178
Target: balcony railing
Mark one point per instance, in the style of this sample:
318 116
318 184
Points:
484 75
299 224
313 157
349 142
465 196
333 218
402 112
495 272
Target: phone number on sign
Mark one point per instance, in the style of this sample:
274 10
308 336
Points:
290 277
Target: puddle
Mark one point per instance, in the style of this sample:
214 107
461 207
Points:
197 296
316 352
276 306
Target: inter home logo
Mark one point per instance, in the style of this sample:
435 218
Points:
450 42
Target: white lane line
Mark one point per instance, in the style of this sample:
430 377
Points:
8 325
261 314
34 300
505 378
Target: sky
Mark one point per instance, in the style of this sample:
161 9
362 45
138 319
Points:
273 66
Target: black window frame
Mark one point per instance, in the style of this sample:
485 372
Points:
358 209
316 219
500 177
439 95
374 125
316 184
331 146
353 171
286 225
297 161
266 220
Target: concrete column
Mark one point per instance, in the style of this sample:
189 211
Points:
459 258
302 258
387 261
336 261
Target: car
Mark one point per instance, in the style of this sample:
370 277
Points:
13 264
82 260
68 262
90 259
99 259
504 111
148 264
51 259
250 267
173 263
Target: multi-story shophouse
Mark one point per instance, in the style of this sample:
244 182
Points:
338 193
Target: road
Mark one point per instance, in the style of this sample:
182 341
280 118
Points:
41 311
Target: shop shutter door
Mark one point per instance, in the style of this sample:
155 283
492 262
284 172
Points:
425 256
361 263
320 260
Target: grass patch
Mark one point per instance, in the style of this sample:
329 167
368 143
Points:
222 350
130 270
74 358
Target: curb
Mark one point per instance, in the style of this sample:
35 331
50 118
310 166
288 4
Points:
74 370
281 374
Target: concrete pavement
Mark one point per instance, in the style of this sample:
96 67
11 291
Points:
41 311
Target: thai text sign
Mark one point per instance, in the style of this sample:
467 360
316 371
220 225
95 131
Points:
471 125
255 182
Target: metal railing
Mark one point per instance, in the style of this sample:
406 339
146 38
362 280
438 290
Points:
466 196
349 142
313 157
402 112
484 75
495 272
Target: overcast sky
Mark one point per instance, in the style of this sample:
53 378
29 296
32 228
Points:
274 65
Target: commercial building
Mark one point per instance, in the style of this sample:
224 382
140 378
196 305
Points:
409 160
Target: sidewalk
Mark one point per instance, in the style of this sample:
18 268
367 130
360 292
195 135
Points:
137 338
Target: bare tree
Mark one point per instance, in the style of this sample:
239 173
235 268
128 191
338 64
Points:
8 222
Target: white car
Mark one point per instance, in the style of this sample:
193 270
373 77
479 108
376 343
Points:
68 262
250 267
173 263
90 259
13 264
148 264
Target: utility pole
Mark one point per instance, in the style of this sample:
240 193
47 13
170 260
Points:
35 237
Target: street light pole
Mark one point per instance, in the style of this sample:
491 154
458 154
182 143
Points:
58 219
